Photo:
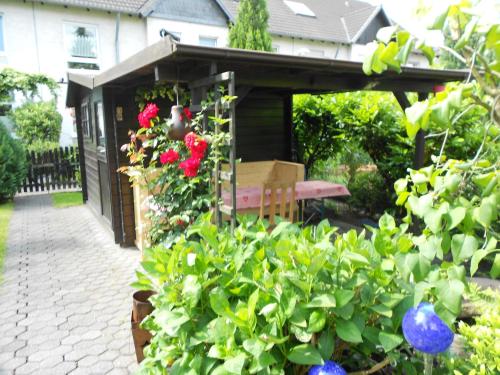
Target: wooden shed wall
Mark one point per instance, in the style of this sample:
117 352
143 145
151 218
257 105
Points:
122 193
263 130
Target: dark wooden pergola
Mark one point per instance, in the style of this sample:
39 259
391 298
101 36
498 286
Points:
263 82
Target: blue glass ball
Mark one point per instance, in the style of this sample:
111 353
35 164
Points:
329 368
425 331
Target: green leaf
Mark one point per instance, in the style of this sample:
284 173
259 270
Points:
455 217
385 34
219 302
388 56
348 331
411 129
371 48
402 37
378 66
463 247
387 222
495 269
269 309
323 300
469 29
235 365
416 112
305 354
326 344
191 290
389 341
317 321
428 52
450 294
382 310
486 213
254 346
433 220
404 52
343 296
440 21
476 258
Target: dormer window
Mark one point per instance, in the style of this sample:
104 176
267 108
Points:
300 9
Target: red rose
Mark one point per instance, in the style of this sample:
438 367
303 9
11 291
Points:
170 157
190 167
189 139
144 121
196 144
151 110
188 113
199 147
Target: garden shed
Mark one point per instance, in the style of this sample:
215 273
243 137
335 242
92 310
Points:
264 83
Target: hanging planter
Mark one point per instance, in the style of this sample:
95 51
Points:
180 120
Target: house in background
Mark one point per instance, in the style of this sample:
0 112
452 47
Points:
55 37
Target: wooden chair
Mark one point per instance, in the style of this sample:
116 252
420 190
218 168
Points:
286 206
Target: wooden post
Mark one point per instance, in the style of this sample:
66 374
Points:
418 160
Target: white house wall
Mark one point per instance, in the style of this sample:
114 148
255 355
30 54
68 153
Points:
34 43
304 47
189 32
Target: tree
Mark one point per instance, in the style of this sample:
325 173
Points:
250 29
12 81
38 124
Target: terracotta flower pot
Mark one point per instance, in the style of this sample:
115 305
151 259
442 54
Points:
141 308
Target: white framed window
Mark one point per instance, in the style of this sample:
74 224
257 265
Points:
275 48
2 42
81 43
207 41
86 126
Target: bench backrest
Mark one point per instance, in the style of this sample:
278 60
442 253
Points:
257 173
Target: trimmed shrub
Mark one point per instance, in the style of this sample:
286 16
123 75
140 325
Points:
13 164
368 192
35 121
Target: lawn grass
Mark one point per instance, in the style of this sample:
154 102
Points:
61 200
5 214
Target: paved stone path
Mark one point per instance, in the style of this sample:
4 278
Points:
65 299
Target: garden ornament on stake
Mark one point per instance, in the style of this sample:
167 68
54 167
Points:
180 120
329 368
426 332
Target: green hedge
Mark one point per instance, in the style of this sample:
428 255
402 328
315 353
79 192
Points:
13 165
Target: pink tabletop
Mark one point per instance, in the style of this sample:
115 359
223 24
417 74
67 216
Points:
249 197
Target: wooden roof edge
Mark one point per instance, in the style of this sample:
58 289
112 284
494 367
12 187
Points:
167 49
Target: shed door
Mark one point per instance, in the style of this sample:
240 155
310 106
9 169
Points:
102 161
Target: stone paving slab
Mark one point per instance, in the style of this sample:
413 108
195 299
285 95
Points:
65 299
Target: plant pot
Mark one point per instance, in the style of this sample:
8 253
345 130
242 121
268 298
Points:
180 124
141 337
141 308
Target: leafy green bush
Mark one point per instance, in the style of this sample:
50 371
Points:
35 121
276 303
480 341
12 164
368 192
